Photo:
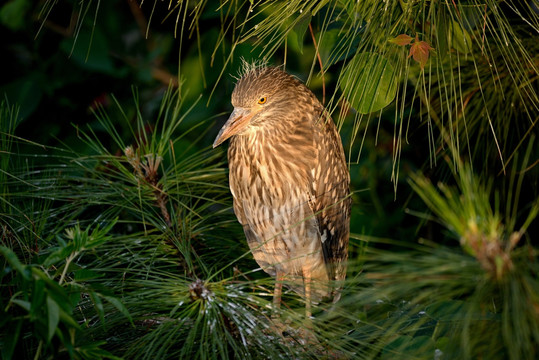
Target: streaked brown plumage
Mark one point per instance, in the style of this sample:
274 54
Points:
290 182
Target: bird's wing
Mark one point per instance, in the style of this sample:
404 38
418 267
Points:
272 201
254 241
330 201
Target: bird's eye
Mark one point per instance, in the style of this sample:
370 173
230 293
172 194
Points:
262 100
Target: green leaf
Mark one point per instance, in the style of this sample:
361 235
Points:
98 236
86 274
417 347
57 256
395 346
368 82
38 299
120 306
56 292
300 28
73 294
14 261
24 304
442 36
13 14
53 312
473 16
10 339
446 310
93 351
441 343
26 92
329 39
98 305
68 319
401 40
90 49
460 39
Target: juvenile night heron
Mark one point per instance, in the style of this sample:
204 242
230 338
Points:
290 183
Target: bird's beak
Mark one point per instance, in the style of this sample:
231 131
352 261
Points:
237 121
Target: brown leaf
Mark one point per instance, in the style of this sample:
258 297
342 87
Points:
420 51
402 40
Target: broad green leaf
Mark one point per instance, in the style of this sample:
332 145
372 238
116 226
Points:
368 82
460 39
327 44
441 343
300 28
442 35
53 314
90 49
25 91
13 14
473 16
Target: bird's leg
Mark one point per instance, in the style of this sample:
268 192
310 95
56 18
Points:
279 277
307 286
307 331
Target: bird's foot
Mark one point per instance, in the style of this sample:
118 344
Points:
278 326
306 336
303 334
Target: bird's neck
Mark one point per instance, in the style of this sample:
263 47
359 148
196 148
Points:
273 133
275 151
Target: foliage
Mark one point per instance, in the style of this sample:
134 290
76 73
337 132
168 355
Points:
508 269
118 239
45 304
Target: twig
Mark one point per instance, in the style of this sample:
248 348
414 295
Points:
456 8
141 20
150 175
161 199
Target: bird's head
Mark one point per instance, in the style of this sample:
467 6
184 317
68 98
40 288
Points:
263 96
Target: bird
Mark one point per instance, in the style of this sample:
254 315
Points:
290 183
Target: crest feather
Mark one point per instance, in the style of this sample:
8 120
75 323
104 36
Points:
248 67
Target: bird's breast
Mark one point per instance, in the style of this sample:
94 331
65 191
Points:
270 168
